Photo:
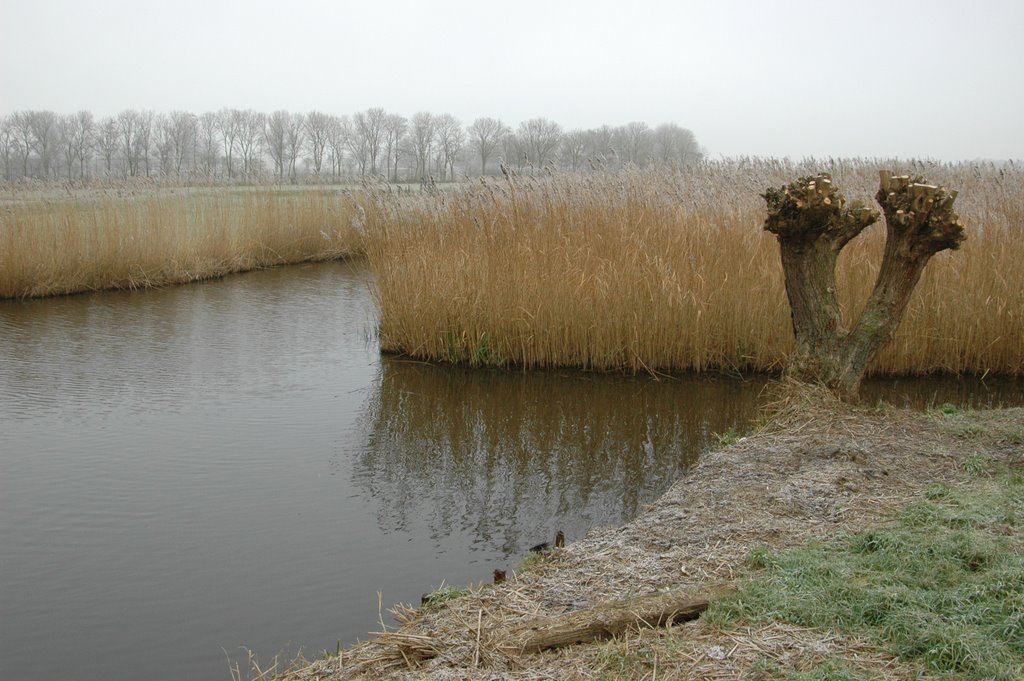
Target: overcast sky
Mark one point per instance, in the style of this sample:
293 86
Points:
937 79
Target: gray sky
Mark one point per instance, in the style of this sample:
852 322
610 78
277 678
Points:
937 79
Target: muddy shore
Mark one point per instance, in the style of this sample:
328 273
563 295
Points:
817 468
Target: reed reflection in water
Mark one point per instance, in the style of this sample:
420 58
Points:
506 458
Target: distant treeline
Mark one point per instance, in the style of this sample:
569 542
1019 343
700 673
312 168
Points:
243 146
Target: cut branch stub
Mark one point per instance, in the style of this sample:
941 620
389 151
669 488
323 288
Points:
919 215
812 223
810 209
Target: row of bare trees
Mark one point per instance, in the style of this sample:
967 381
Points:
241 145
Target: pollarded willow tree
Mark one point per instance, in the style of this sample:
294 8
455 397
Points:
813 222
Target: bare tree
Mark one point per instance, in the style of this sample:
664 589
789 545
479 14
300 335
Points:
67 128
183 130
44 137
173 139
86 133
813 224
108 140
451 139
143 142
395 127
209 145
275 136
514 149
664 143
422 136
574 148
250 134
601 147
637 142
229 124
318 130
541 138
370 125
366 137
486 134
294 140
674 145
357 143
21 127
337 140
161 139
8 146
128 129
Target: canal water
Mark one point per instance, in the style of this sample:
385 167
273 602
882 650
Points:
192 473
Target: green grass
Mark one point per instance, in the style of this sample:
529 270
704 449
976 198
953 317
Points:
977 464
831 669
618 661
729 437
532 561
941 587
957 422
442 595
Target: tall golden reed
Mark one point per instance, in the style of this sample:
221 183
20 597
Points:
670 270
155 237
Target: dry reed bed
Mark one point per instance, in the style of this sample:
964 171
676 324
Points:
669 270
154 237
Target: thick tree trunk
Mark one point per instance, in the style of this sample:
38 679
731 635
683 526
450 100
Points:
813 224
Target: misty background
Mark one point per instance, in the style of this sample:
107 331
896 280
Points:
870 79
236 145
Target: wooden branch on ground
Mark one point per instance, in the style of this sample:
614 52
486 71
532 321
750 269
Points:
603 621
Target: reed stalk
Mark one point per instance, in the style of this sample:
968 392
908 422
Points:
138 238
670 270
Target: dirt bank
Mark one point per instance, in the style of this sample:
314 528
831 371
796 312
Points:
819 467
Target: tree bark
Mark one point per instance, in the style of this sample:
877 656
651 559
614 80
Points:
603 621
812 222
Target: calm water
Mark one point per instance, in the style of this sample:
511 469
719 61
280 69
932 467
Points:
188 473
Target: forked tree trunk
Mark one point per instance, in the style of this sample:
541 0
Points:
813 224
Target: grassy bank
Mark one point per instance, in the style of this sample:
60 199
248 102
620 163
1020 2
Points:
155 237
865 544
670 270
941 587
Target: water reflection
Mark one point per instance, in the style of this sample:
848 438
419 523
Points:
132 353
230 464
507 458
925 392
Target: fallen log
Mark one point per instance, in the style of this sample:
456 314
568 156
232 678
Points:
605 620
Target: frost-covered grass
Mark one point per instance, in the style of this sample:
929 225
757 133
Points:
942 587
